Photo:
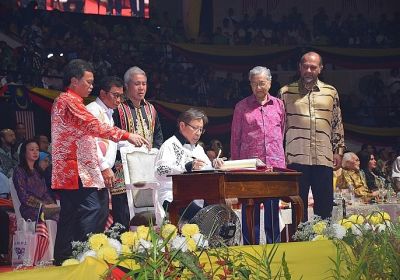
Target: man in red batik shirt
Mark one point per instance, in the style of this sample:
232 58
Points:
76 170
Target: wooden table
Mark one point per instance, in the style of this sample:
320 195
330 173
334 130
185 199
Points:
247 186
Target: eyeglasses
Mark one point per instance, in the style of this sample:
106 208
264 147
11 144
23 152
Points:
116 95
259 84
196 129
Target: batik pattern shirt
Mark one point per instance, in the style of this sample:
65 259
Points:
32 191
74 150
355 179
172 158
257 131
314 128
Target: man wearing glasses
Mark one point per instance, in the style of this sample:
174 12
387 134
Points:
181 153
257 132
135 115
111 92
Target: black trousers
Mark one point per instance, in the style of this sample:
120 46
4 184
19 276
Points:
83 211
114 4
271 222
120 209
4 232
320 179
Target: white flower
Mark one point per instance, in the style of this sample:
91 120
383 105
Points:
83 256
368 226
339 231
179 243
355 229
380 227
144 245
115 244
200 240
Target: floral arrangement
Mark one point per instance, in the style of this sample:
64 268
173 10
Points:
368 247
170 253
112 244
318 229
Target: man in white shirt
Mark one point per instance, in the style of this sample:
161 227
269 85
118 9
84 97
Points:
181 153
111 91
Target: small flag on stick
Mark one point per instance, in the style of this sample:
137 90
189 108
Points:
42 235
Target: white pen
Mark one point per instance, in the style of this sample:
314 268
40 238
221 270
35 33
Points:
219 153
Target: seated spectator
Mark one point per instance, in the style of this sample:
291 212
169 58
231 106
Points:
181 153
396 174
30 185
8 158
44 165
368 166
214 149
352 178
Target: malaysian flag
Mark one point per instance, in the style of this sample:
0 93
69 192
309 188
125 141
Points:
42 235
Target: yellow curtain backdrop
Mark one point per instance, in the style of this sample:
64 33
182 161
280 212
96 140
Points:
191 10
310 260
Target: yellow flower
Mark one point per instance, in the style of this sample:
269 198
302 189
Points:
320 237
191 244
375 218
345 223
96 241
70 262
143 232
319 227
167 230
188 230
175 263
129 238
125 249
356 219
386 216
107 253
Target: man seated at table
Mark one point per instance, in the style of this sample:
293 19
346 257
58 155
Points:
352 178
181 153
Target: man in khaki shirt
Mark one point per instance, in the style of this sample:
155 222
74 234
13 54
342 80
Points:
314 138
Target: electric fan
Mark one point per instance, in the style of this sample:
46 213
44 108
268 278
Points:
219 224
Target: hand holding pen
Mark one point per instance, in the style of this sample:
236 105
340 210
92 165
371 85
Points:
218 162
197 164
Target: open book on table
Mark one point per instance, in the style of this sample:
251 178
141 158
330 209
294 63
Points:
250 164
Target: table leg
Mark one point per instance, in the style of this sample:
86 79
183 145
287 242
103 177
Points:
173 213
250 219
297 214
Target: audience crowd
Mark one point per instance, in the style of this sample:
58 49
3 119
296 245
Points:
112 44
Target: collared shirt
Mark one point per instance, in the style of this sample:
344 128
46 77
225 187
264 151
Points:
314 128
106 149
74 150
257 131
172 158
355 179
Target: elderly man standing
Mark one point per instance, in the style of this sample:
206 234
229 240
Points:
135 115
314 133
76 171
257 132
